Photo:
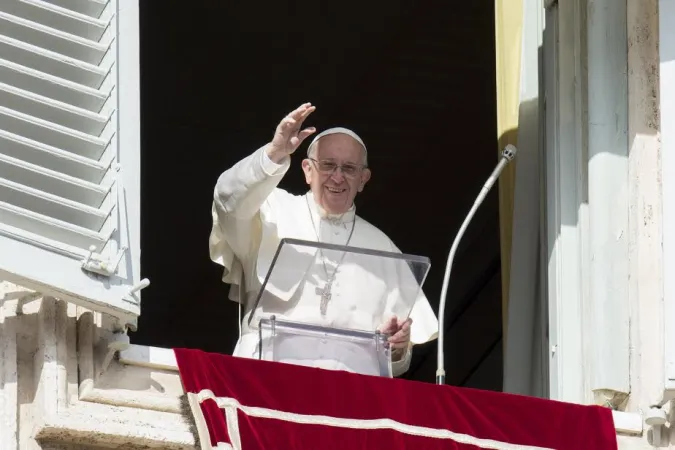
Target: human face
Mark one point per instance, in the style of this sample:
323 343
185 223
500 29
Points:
334 189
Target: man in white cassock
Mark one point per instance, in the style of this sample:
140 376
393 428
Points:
251 215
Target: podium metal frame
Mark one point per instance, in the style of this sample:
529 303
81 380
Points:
380 340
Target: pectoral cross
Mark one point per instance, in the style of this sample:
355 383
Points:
325 296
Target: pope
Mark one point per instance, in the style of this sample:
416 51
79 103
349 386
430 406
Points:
251 214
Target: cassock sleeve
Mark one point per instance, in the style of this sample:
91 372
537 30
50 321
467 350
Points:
425 323
401 366
239 193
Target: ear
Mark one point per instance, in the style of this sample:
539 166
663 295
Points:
307 168
365 176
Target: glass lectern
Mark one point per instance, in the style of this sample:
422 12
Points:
325 305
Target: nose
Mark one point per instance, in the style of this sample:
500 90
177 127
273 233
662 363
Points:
337 175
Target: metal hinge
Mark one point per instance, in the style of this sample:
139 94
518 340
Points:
101 267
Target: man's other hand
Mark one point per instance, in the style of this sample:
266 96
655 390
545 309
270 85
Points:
399 331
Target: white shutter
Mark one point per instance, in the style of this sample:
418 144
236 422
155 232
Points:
70 151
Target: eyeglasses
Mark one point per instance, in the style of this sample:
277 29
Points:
328 167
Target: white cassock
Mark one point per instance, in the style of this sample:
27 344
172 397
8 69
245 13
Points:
251 216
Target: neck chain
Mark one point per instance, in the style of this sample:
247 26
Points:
325 292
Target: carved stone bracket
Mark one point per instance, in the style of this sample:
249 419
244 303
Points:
118 384
54 392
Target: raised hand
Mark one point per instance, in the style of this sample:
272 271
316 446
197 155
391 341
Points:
289 133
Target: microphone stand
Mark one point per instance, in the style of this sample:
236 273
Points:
508 154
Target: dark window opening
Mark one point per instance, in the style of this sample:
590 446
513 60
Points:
415 79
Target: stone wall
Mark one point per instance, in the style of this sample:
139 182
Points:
61 386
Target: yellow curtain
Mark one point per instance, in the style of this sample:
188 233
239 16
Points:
508 32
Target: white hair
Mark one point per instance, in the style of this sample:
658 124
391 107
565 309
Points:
338 130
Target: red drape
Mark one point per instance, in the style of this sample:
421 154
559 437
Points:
251 404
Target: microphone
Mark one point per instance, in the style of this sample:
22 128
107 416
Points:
508 154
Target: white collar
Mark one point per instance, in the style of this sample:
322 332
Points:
343 218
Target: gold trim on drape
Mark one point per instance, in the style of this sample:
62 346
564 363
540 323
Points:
508 33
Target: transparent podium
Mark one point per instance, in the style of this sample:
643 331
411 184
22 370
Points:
327 306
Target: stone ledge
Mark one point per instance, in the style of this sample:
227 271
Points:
627 423
150 357
129 399
116 427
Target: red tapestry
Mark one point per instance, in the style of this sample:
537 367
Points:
246 404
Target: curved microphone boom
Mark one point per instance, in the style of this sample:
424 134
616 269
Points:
508 154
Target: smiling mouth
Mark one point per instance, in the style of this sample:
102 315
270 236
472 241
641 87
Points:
333 190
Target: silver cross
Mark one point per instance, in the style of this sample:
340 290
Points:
325 296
